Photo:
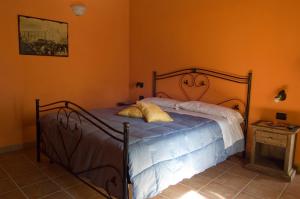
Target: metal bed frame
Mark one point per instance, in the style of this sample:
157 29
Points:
66 109
200 78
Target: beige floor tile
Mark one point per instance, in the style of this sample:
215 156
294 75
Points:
289 196
6 185
265 187
236 159
99 196
292 191
296 179
228 178
11 156
209 196
67 180
14 159
239 170
30 153
29 177
16 194
15 163
197 181
20 168
54 170
177 191
40 189
58 195
159 197
232 181
194 195
44 163
224 165
2 174
212 172
82 191
215 190
245 196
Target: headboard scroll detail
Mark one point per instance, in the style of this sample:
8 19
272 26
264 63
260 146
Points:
194 80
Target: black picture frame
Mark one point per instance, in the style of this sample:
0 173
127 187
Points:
42 37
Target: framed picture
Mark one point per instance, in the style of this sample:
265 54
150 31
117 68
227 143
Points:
42 37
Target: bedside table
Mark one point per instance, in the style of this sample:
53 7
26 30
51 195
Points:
273 149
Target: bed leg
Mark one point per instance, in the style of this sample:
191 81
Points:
125 161
38 130
244 155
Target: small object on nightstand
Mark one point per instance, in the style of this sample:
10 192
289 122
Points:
273 149
125 103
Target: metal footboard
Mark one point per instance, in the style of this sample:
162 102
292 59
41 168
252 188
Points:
65 110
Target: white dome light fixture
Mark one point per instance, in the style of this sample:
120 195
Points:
78 9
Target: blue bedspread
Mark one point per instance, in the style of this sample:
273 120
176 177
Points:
160 154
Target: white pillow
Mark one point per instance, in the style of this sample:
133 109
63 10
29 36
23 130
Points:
163 102
212 109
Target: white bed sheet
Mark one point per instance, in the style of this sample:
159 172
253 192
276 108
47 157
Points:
231 131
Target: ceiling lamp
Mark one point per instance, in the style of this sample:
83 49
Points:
78 9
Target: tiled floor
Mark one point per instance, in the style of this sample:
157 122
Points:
22 177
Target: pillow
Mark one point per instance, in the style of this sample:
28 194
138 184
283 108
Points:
131 111
212 109
153 113
163 102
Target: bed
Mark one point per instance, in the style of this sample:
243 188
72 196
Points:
109 151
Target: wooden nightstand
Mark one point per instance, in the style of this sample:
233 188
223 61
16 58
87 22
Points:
273 149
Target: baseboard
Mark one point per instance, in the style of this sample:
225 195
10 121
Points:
16 147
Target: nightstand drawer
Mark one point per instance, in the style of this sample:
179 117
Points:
271 138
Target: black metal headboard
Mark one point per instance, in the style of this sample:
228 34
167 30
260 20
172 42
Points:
199 77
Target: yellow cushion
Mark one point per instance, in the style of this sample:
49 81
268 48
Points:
153 113
131 111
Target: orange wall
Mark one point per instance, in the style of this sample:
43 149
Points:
94 75
228 35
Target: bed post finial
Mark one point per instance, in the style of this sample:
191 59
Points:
125 160
38 131
126 125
